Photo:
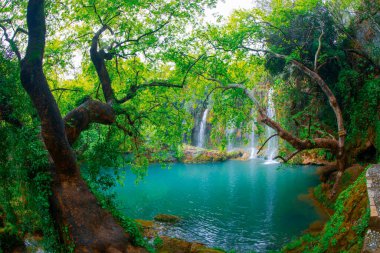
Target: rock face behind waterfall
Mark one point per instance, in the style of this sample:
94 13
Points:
201 155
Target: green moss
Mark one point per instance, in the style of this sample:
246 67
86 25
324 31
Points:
167 218
322 198
345 230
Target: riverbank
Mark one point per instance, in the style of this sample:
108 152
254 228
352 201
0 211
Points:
342 227
153 230
346 227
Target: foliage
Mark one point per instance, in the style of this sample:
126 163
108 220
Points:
152 41
107 201
363 92
158 242
345 229
322 197
296 30
24 170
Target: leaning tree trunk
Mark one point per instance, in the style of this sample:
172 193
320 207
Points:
90 228
339 151
341 159
337 147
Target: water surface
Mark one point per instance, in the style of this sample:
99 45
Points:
240 205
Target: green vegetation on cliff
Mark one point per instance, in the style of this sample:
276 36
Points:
345 229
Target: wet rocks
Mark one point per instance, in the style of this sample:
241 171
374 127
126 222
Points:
167 218
153 229
201 155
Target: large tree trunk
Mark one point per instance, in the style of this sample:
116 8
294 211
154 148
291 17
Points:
76 210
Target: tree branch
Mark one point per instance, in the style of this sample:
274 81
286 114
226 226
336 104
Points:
19 30
65 89
136 40
97 14
98 59
11 42
263 117
285 160
91 111
318 50
134 88
265 142
332 101
191 66
249 93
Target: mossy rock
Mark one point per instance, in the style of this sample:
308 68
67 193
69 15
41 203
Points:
201 155
171 245
147 228
236 154
167 218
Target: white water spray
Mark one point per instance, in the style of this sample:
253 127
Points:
253 154
229 133
272 149
202 130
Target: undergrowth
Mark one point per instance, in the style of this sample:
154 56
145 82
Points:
24 192
345 230
107 201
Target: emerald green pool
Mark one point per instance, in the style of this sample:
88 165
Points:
235 205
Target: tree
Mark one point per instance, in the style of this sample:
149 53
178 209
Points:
300 34
81 219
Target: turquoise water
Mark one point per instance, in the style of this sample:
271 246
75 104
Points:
240 205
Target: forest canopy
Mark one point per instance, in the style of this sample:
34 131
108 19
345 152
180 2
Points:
106 84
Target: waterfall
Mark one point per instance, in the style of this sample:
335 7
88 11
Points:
202 130
272 149
253 154
229 133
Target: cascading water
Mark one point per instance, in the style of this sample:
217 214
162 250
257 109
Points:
229 133
253 154
272 149
202 130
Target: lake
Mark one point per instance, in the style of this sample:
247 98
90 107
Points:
235 205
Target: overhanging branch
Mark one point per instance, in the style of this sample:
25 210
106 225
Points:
134 88
265 142
91 111
11 41
285 160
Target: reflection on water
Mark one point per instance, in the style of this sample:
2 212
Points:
241 205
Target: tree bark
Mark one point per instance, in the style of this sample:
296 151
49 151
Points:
296 142
340 151
91 111
336 147
341 159
75 208
98 59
